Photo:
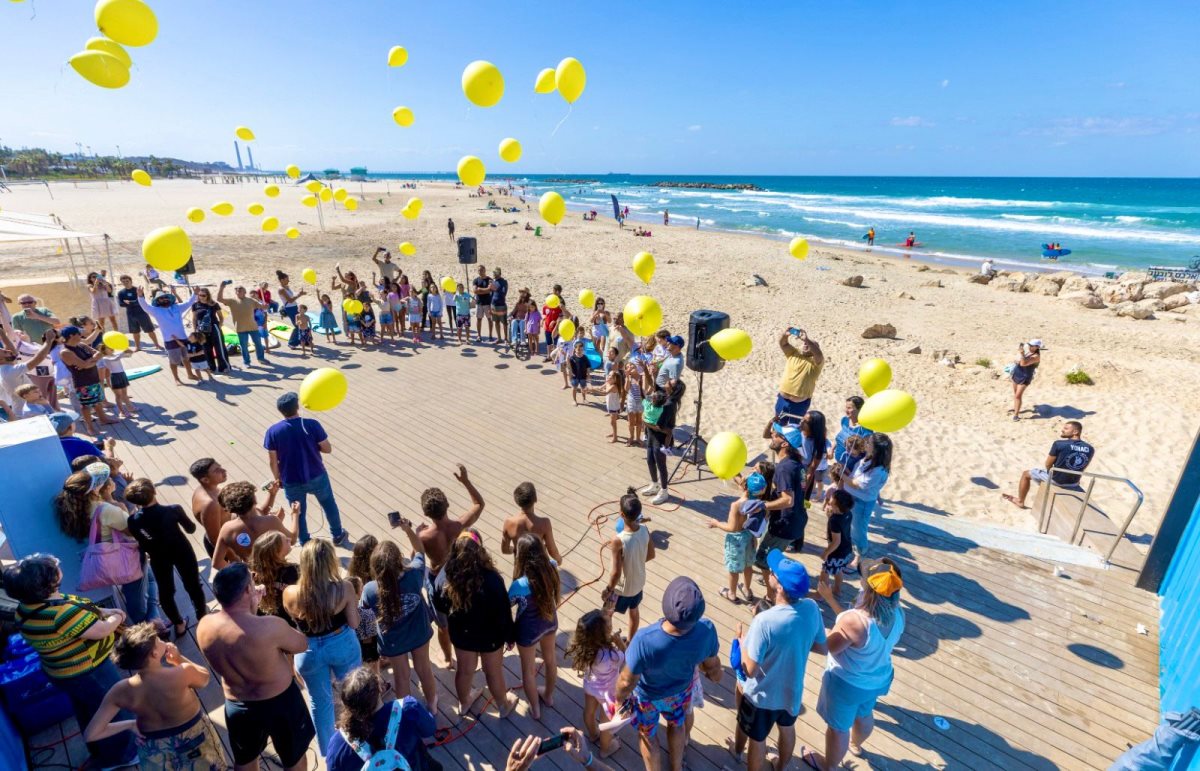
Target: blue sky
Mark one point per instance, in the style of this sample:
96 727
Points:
913 88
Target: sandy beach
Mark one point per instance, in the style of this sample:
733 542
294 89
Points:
956 458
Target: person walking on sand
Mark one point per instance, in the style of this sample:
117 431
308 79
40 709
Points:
1069 453
774 657
666 217
858 669
253 656
870 236
450 227
1023 369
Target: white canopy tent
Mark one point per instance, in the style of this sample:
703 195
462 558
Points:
16 227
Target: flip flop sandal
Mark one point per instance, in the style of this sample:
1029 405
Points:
805 756
731 598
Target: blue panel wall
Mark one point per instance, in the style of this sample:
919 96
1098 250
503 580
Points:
1180 633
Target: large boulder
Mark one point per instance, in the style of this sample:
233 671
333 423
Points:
1118 294
879 330
1134 277
1044 285
1010 282
1176 301
1142 309
979 278
935 284
1161 290
1077 284
1084 298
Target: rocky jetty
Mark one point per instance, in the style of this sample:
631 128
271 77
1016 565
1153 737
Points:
708 185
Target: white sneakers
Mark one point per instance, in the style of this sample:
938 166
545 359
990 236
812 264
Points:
663 496
652 489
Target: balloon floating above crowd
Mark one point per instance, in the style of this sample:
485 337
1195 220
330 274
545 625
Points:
308 274
324 388
403 116
195 214
888 411
544 82
255 209
643 315
116 340
109 47
244 134
141 177
293 171
128 22
587 298
510 150
726 455
222 208
100 68
408 249
271 191
570 79
397 56
471 171
167 248
552 207
874 375
482 83
643 266
731 344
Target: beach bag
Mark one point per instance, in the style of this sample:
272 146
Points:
387 759
109 564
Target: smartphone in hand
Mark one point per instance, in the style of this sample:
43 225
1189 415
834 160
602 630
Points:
394 518
553 743
795 332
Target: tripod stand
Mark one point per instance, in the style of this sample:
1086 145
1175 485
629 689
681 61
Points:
692 447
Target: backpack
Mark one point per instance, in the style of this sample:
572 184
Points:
389 758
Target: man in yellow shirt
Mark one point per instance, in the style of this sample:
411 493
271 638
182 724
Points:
800 373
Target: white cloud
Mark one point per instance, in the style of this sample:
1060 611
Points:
945 82
694 127
912 121
1118 84
1069 128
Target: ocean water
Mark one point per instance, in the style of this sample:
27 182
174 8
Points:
1108 224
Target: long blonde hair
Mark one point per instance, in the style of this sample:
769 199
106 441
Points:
320 586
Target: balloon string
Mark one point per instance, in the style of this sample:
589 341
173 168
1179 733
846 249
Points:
564 119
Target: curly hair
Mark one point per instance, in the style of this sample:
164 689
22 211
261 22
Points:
237 498
359 699
434 503
533 562
73 505
591 636
266 564
466 567
135 645
360 560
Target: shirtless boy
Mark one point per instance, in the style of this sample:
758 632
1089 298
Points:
238 535
528 521
205 507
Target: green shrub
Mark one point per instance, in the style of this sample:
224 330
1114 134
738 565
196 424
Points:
1078 377
983 362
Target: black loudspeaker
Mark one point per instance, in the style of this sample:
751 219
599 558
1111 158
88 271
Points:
466 251
701 326
188 269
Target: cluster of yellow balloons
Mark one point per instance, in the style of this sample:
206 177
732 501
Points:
643 315
885 410
731 344
167 248
552 207
323 389
116 340
103 60
726 454
643 266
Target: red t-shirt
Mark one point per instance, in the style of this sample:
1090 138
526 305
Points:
550 317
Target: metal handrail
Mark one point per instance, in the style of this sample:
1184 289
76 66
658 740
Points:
1048 505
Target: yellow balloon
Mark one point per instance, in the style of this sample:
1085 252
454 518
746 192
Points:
544 83
100 68
270 224
116 340
407 249
129 22
471 171
510 150
731 344
195 215
309 200
223 208
271 191
566 329
167 248
397 56
888 411
552 301
409 214
403 116
726 455
326 194
293 233
570 78
256 208
313 186
416 204
552 207
643 315
643 266
798 248
449 284
108 47
482 83
340 194
356 307
323 389
308 274
142 178
351 204
874 375
243 133
587 298
293 171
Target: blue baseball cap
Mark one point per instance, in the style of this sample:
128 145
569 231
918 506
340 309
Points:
790 574
790 433
675 340
756 484
69 332
683 603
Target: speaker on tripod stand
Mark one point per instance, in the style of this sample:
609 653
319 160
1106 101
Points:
700 358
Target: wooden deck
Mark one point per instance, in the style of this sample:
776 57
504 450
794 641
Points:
1028 669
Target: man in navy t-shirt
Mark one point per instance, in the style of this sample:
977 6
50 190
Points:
660 666
1069 453
295 445
788 516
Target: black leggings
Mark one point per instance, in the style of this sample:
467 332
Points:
656 460
163 564
214 352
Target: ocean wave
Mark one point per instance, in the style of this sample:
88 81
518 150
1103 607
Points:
923 202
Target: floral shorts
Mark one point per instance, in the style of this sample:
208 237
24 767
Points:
90 395
673 708
194 746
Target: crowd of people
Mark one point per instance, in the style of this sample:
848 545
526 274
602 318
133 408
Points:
354 637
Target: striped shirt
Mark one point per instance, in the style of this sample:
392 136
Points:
53 629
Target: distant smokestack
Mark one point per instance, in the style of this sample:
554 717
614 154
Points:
238 150
250 153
